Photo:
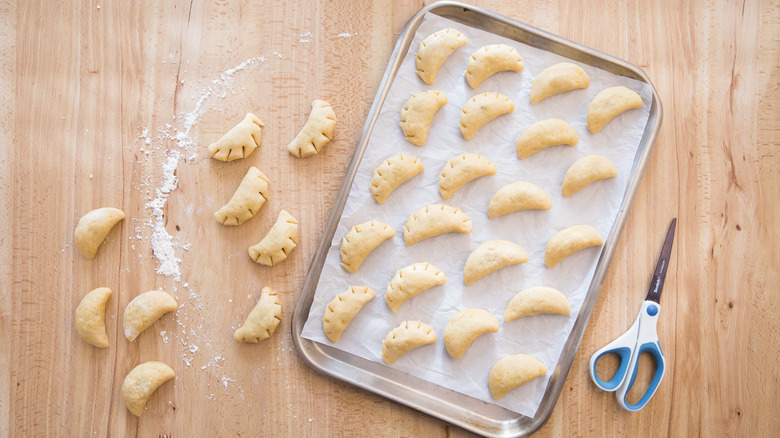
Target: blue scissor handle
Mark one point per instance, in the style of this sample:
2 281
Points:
640 338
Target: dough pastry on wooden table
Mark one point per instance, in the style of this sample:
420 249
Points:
91 317
278 243
557 79
520 195
144 310
585 172
461 170
317 131
405 338
434 50
93 228
491 59
466 326
361 240
411 281
393 172
610 103
569 241
262 320
491 256
142 382
536 301
512 372
417 115
434 220
340 311
246 201
240 141
541 135
481 109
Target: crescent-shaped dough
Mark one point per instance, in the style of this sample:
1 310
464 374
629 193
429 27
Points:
91 317
535 301
610 103
557 79
481 109
93 228
434 50
466 326
142 382
340 311
417 115
278 243
405 338
411 281
540 135
262 320
240 141
491 256
513 371
246 201
461 170
317 131
520 195
491 59
144 310
433 220
586 171
361 240
568 241
393 172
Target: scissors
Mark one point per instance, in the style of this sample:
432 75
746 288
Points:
640 338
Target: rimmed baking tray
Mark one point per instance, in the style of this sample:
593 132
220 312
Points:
453 407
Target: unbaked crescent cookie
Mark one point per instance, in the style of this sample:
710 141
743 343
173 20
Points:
417 115
278 243
491 256
405 338
247 199
434 220
93 228
91 317
520 195
512 372
610 103
541 135
411 281
361 239
536 301
461 170
557 79
434 50
393 172
262 320
317 131
491 59
481 109
240 141
466 326
340 311
144 310
141 382
586 171
569 241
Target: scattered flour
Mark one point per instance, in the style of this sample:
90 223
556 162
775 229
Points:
347 35
306 37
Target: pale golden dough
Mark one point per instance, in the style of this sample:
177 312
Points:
240 141
541 135
466 326
569 241
144 310
536 301
557 79
481 109
434 220
363 238
417 115
586 171
393 172
520 195
142 382
91 317
340 311
405 338
491 256
247 199
411 281
93 228
278 243
610 103
513 371
317 131
434 50
461 170
262 320
491 59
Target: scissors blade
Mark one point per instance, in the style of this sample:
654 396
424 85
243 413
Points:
657 285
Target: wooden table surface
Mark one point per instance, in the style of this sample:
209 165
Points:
84 84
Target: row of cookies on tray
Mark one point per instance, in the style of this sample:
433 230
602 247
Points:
460 332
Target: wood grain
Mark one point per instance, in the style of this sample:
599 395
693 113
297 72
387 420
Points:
79 84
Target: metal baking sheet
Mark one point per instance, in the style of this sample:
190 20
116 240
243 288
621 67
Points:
464 411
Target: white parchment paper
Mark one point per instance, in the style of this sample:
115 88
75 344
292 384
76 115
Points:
541 336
